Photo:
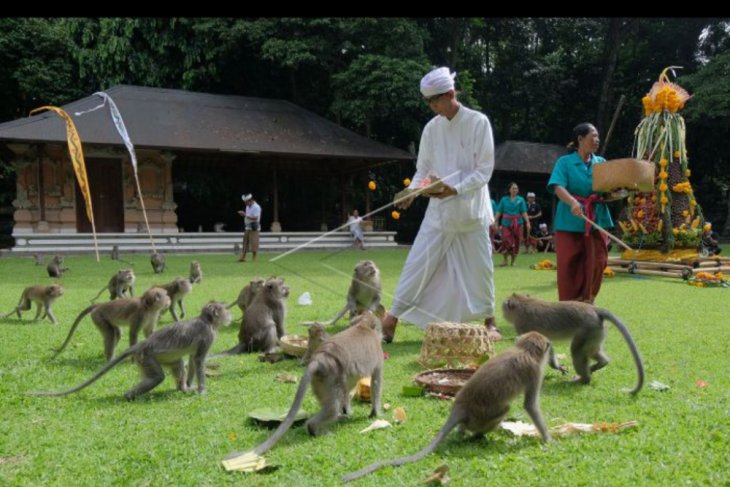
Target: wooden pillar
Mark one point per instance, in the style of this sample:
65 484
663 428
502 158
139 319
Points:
275 225
41 187
343 201
323 199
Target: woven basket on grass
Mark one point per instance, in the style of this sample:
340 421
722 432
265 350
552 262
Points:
455 345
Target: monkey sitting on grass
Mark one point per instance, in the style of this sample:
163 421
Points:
167 347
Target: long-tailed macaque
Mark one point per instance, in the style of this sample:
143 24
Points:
119 284
196 272
263 323
115 255
43 296
335 368
484 400
177 290
137 313
167 347
55 267
581 322
317 335
158 262
249 291
364 292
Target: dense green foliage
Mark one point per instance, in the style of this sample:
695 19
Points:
536 78
95 437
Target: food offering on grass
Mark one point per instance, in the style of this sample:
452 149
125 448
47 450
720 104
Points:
708 279
294 345
248 462
361 390
440 476
608 272
271 417
377 425
444 381
520 428
545 265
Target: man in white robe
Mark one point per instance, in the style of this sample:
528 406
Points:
448 275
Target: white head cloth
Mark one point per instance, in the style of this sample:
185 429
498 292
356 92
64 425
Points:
437 81
246 197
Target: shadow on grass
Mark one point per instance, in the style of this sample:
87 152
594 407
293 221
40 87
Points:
561 385
92 365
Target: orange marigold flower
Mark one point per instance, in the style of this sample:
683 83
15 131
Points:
395 215
663 162
372 185
407 182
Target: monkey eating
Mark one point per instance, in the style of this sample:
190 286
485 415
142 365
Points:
583 322
263 323
158 262
137 313
167 347
55 267
177 290
119 284
335 368
43 296
317 335
196 273
484 400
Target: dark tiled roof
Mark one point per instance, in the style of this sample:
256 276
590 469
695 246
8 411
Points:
527 157
159 118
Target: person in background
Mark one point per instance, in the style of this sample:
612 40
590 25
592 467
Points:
252 225
710 244
511 215
354 222
448 274
544 239
534 213
581 250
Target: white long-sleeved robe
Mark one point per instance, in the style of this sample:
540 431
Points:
448 274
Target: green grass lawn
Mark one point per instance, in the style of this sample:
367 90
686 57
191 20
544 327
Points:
95 437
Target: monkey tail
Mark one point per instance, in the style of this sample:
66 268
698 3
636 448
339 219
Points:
291 415
240 348
85 312
289 420
97 296
632 346
109 365
454 419
231 305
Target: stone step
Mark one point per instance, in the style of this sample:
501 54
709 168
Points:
191 242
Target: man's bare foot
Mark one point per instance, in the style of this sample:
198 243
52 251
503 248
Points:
389 324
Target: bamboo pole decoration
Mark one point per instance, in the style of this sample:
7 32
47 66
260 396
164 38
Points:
607 233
